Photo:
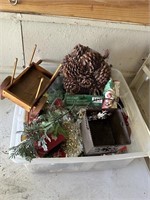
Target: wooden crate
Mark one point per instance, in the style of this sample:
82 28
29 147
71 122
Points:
24 88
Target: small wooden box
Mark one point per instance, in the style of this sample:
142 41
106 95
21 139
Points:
24 88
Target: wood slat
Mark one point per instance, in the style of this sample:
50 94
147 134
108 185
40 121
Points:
134 11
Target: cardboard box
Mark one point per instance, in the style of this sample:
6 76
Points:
106 135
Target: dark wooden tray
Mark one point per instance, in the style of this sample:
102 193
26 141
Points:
24 88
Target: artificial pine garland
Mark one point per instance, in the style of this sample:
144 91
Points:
52 122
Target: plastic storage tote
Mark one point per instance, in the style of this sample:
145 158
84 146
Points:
140 87
140 141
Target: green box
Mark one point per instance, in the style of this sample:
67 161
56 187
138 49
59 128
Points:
83 100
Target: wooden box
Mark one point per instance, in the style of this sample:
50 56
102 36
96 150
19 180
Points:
23 90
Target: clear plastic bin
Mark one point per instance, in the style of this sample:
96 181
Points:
140 87
140 141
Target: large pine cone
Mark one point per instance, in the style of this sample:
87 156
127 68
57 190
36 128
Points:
102 76
93 60
71 70
77 52
85 81
71 86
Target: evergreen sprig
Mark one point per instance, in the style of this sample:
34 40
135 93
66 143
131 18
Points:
37 131
25 149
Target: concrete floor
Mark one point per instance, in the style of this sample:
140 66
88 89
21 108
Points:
130 183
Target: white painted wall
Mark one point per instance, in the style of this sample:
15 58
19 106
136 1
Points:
56 36
10 43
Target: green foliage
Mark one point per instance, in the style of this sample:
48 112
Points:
50 121
25 149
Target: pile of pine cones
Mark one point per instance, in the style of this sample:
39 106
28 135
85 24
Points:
85 71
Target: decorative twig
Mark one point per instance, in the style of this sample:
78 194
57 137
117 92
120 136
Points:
33 54
14 70
60 117
39 87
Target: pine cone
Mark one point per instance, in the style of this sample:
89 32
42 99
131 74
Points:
102 76
86 82
71 86
86 64
92 60
77 52
71 70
